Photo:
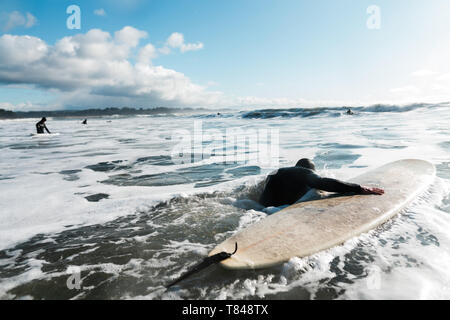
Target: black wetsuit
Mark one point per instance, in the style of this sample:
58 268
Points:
40 126
288 185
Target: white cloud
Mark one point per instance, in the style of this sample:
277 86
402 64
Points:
424 73
9 21
191 47
176 41
100 12
31 20
129 36
405 89
164 50
21 50
147 54
438 87
212 84
96 69
24 106
425 85
444 77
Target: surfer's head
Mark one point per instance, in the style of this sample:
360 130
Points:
306 163
43 119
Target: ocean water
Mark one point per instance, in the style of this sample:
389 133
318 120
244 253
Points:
121 207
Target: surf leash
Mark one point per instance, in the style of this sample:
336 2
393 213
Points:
204 264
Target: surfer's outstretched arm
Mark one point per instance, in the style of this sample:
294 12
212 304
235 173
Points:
46 129
334 185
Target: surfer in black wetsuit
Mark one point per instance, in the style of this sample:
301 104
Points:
288 185
84 121
349 112
40 126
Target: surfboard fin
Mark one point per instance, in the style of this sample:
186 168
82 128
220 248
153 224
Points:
204 264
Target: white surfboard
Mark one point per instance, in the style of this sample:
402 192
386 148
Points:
309 227
44 135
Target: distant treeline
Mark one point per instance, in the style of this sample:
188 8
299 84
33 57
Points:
5 114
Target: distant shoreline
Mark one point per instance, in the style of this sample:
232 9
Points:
286 112
6 114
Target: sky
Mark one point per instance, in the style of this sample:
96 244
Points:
212 53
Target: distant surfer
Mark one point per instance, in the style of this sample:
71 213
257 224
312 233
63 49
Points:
40 126
349 111
287 185
84 121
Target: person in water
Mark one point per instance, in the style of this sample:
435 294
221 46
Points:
349 111
287 185
40 126
84 121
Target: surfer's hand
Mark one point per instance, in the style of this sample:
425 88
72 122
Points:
367 190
